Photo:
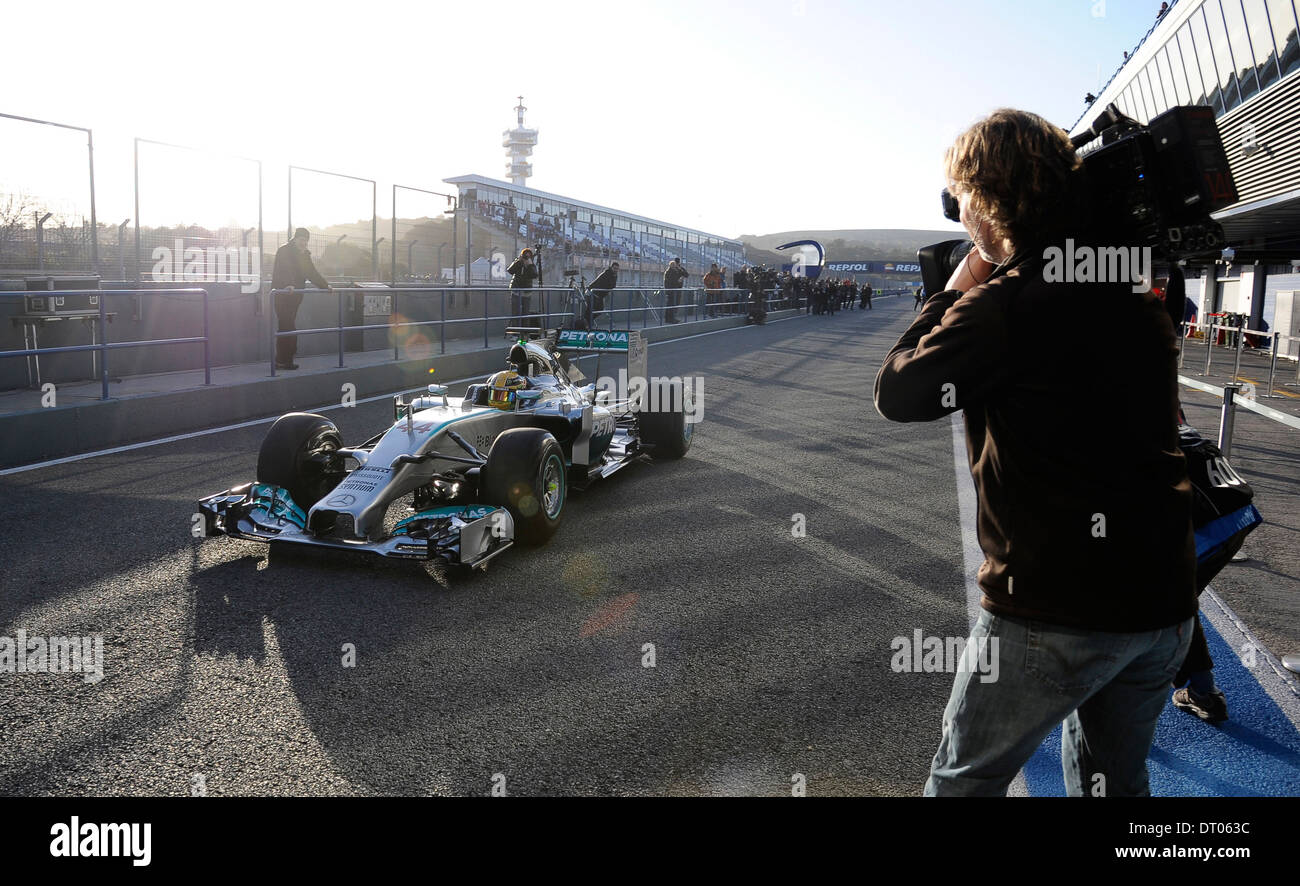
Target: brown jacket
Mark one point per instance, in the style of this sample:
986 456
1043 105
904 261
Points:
1084 509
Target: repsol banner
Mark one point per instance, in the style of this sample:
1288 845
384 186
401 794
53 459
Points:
872 267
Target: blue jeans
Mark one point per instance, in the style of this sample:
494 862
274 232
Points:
1108 689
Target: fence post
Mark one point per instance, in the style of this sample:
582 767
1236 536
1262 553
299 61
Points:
485 314
1226 418
1241 343
442 324
340 329
103 350
1272 367
1209 344
207 364
1182 341
273 318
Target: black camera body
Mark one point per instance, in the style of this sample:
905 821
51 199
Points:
1157 185
1146 186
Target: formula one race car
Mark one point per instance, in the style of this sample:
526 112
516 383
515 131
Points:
482 472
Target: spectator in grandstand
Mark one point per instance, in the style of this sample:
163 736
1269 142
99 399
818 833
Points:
1088 581
674 275
522 271
712 283
292 269
599 290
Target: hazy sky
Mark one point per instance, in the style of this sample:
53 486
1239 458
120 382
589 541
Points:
732 118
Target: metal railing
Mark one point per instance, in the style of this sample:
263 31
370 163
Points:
102 345
1227 417
1236 331
558 305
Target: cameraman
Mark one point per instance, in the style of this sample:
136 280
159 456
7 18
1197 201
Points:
1084 504
522 273
673 277
599 290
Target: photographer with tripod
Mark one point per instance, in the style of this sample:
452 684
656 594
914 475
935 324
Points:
1084 503
598 291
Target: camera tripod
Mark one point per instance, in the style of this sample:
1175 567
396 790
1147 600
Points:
577 301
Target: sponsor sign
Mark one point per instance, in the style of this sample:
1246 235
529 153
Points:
872 267
378 306
597 340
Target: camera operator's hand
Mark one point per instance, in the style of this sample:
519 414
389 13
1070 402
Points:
973 270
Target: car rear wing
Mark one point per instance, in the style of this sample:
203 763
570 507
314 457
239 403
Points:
599 342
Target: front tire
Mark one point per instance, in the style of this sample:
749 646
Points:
296 455
525 474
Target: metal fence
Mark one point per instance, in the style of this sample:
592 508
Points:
554 306
100 345
1229 332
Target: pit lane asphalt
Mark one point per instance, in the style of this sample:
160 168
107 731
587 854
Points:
224 663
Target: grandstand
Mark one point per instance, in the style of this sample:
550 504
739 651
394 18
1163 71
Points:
584 236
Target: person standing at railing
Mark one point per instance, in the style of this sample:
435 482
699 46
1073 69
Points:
523 271
674 276
740 281
599 290
293 268
712 283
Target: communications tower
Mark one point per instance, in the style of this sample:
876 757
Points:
519 143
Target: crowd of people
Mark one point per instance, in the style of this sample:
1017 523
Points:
828 296
753 291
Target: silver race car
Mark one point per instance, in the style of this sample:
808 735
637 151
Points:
482 471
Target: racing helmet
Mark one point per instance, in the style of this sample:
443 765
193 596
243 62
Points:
502 387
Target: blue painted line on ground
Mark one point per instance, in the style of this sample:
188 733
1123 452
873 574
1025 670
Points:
1256 753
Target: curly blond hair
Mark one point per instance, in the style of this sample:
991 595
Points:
1020 172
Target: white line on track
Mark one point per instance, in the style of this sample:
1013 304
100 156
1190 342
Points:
971 554
967 508
261 421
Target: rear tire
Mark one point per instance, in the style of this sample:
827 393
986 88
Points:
667 429
290 457
525 474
